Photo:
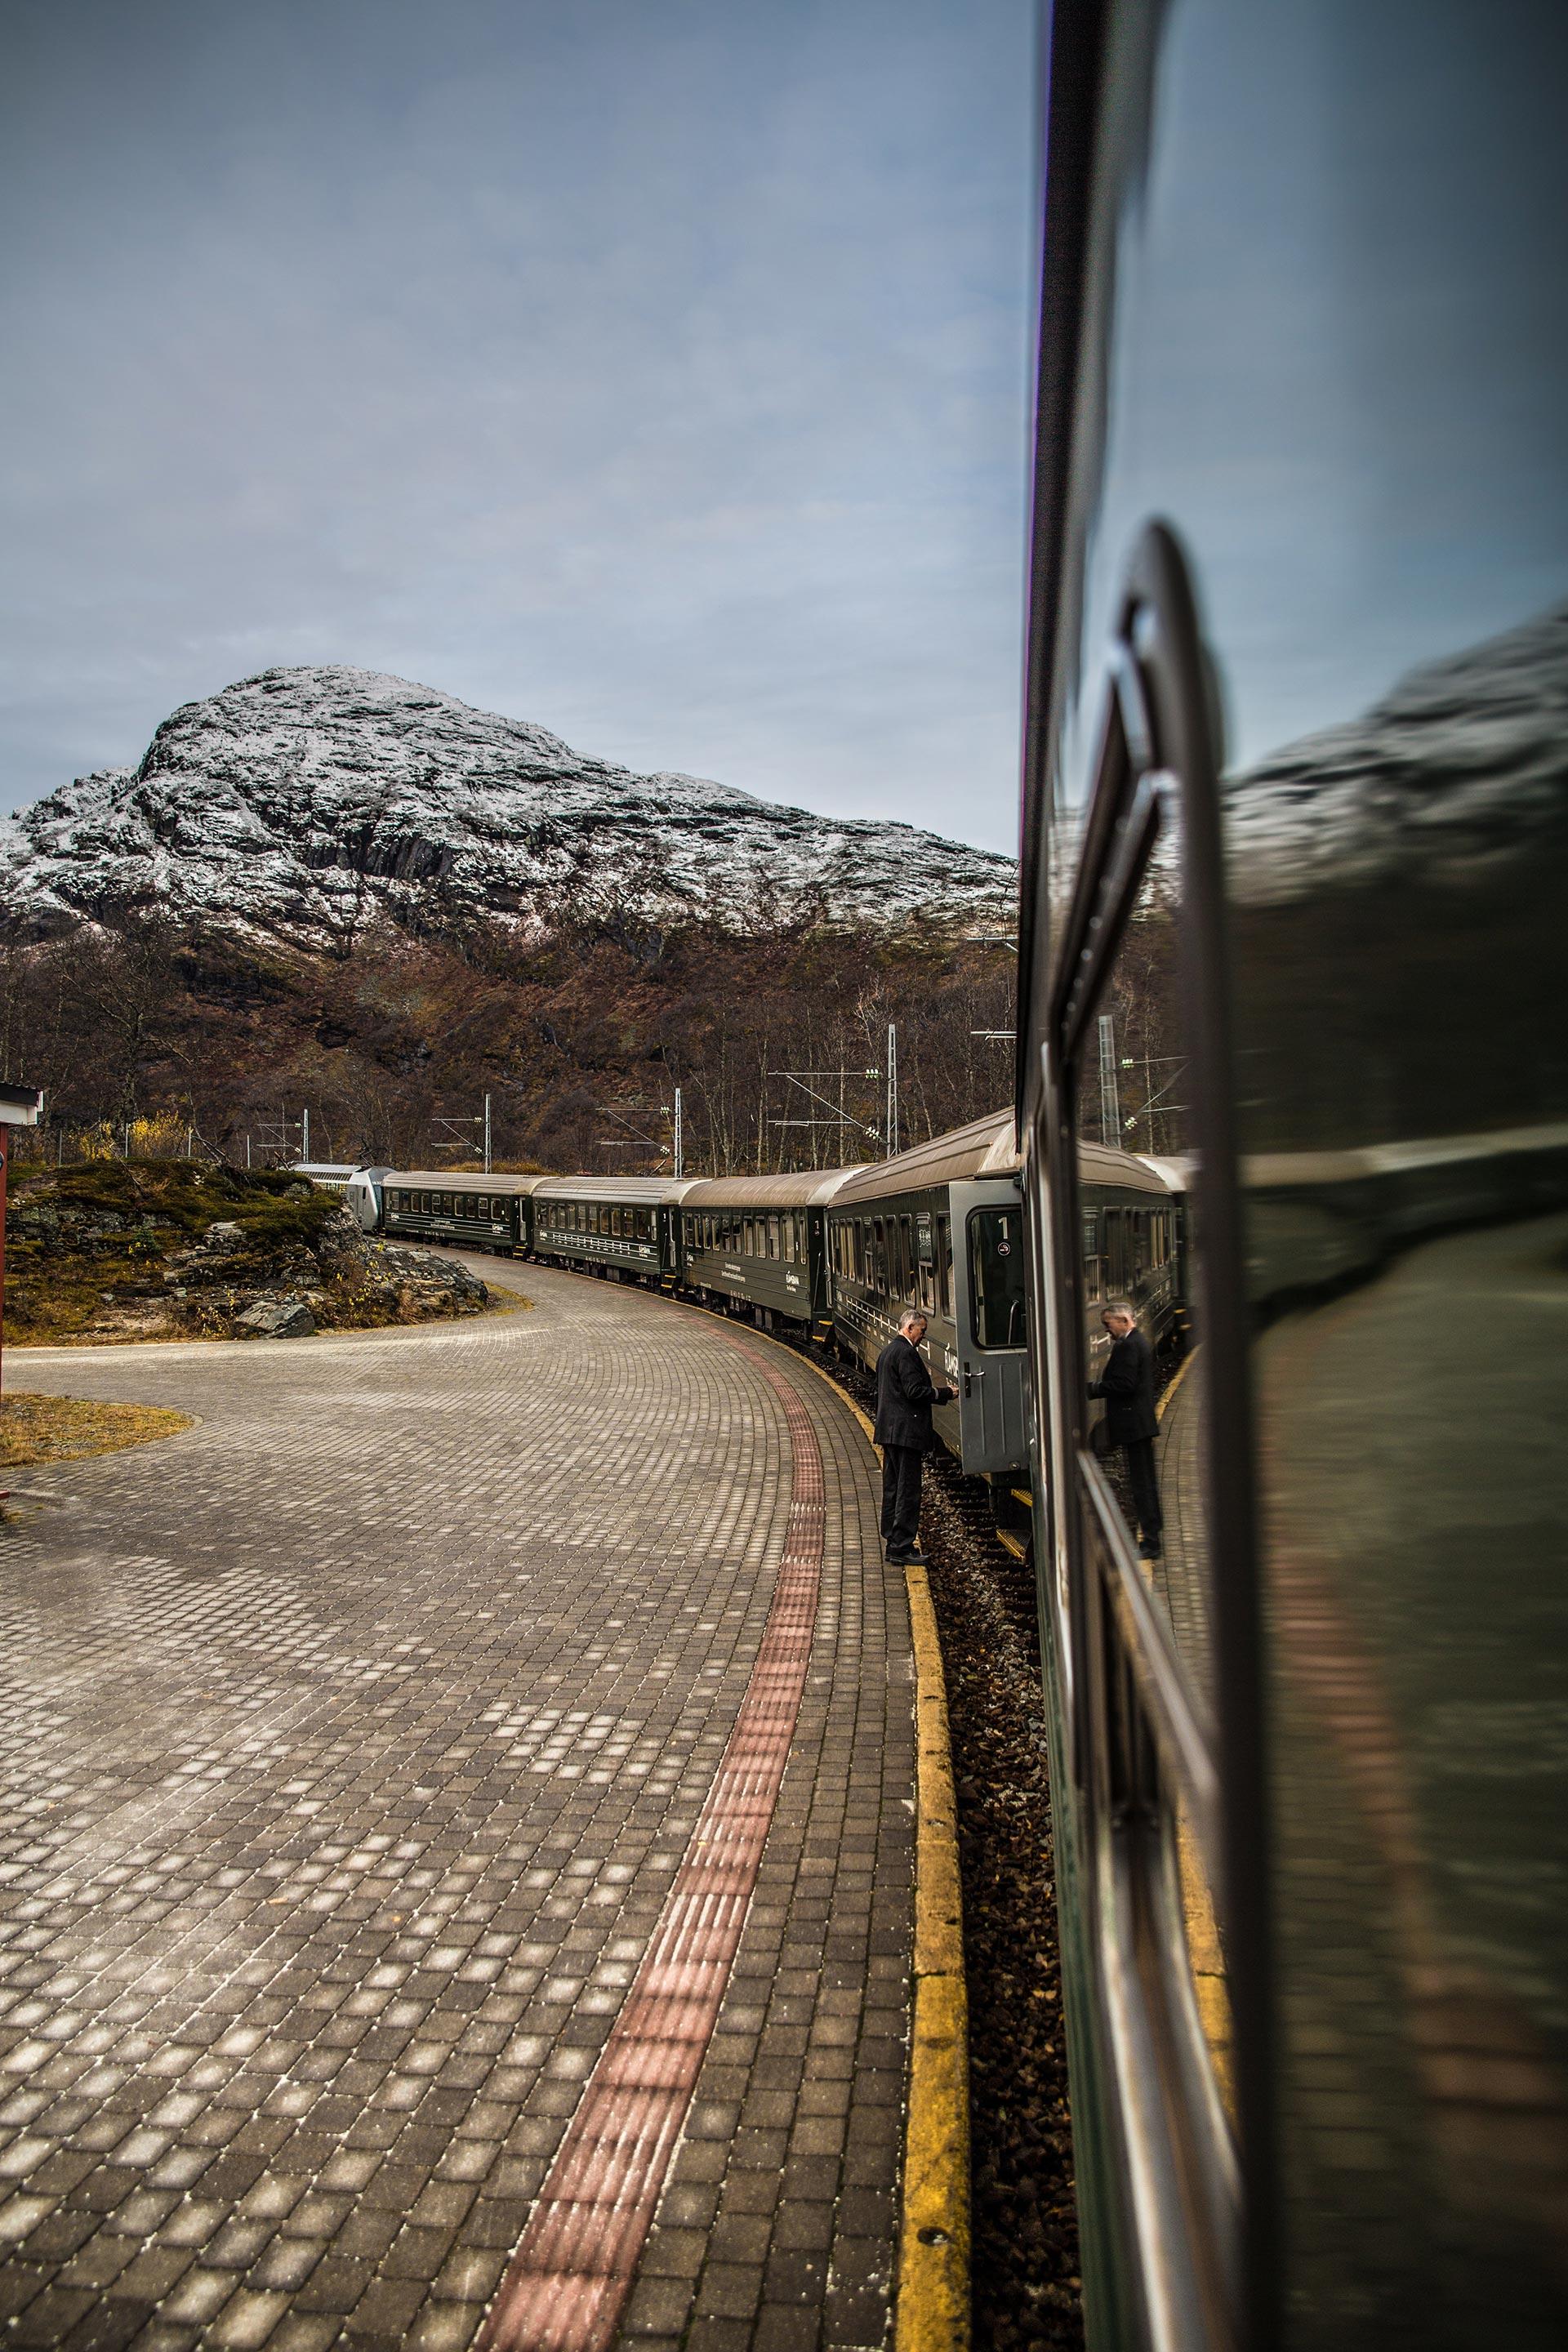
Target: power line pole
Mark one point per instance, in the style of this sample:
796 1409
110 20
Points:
892 1091
679 1139
487 1135
1110 1095
305 1136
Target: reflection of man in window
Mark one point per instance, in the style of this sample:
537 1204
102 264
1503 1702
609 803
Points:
1128 1388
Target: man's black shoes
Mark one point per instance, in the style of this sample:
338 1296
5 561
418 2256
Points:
1149 1549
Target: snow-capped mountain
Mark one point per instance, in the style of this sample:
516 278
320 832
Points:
299 804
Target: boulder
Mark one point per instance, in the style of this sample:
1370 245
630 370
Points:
276 1319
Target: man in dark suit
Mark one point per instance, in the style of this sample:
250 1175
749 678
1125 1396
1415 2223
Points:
1128 1387
905 1395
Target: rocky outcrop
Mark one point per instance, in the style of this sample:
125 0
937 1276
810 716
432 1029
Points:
133 1253
299 805
276 1319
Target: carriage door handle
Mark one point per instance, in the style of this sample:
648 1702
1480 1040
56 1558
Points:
972 1373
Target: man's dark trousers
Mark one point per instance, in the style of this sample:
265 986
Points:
900 1499
1145 1485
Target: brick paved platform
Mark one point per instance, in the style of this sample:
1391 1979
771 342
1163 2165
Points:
353 1741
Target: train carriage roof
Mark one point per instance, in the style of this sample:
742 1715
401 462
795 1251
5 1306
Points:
462 1179
807 1188
635 1191
1130 1171
986 1147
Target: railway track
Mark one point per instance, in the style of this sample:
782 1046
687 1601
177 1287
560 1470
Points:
1027 2282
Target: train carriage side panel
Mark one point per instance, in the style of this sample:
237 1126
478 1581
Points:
1295 855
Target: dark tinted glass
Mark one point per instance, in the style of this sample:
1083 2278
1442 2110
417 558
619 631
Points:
1328 338
996 1277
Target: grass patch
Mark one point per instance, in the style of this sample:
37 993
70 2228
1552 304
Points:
36 1429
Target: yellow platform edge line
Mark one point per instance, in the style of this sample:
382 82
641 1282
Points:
933 2305
933 2292
933 2310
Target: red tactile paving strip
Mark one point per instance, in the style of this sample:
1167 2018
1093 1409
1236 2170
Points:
568 2282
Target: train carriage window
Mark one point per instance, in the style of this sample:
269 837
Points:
944 1264
996 1277
773 1250
1093 1265
878 1278
926 1274
906 1258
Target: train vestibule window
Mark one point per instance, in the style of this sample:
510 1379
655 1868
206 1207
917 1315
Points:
996 1277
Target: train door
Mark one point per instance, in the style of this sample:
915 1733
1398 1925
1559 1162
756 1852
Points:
988 1314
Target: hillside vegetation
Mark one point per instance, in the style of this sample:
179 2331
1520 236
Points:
580 1036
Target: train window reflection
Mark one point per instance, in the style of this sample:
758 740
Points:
1136 1169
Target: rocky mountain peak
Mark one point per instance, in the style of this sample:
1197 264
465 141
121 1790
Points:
302 803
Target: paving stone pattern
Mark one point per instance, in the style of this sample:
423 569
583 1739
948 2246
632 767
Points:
351 1742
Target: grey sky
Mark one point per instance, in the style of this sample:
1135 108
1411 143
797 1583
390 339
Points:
656 373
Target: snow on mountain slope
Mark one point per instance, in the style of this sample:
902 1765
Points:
299 804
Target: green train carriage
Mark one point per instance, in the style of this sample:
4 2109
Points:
759 1242
624 1226
467 1207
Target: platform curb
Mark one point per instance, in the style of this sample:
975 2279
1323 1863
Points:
933 2306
